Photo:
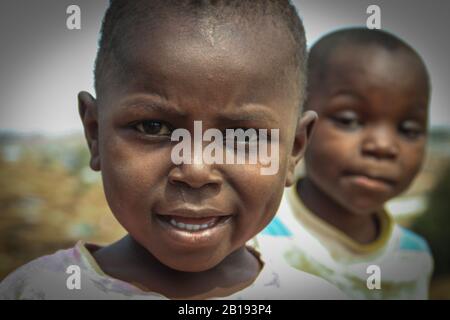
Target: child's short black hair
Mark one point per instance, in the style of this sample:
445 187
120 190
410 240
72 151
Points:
123 17
323 49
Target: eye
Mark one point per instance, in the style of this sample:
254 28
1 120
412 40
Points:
241 136
347 119
244 136
411 129
154 128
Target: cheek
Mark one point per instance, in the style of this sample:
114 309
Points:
330 151
256 188
131 175
412 157
259 195
259 183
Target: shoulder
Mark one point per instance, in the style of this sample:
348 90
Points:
408 257
408 240
293 284
286 282
31 280
276 228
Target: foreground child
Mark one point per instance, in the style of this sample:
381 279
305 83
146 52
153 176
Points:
163 65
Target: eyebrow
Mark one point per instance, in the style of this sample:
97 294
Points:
153 103
157 103
346 92
418 110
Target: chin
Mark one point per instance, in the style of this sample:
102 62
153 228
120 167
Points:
361 204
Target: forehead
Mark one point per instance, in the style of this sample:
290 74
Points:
214 62
391 77
375 64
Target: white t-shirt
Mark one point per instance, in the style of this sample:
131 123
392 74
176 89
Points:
399 258
47 278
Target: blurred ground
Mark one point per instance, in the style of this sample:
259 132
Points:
50 199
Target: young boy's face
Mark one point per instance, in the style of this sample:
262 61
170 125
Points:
369 142
226 77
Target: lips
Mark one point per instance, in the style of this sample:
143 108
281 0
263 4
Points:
192 225
192 228
371 181
193 220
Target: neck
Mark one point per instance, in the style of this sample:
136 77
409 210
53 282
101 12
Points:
134 264
362 228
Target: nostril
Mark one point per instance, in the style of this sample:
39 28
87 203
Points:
194 178
194 194
380 152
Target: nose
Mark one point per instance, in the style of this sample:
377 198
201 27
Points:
195 175
380 143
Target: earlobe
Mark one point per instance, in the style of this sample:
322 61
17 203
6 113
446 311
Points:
87 107
304 131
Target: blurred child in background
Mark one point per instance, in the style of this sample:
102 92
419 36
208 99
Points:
371 91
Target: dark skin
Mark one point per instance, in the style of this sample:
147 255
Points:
227 77
369 142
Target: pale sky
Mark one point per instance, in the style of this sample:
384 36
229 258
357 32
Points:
44 65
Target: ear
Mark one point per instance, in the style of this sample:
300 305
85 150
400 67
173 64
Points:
303 133
87 107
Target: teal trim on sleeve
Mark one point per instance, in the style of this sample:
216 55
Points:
411 241
276 228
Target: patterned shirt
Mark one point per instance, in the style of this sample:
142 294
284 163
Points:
49 277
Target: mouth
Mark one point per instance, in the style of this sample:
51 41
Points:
194 229
373 182
193 224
